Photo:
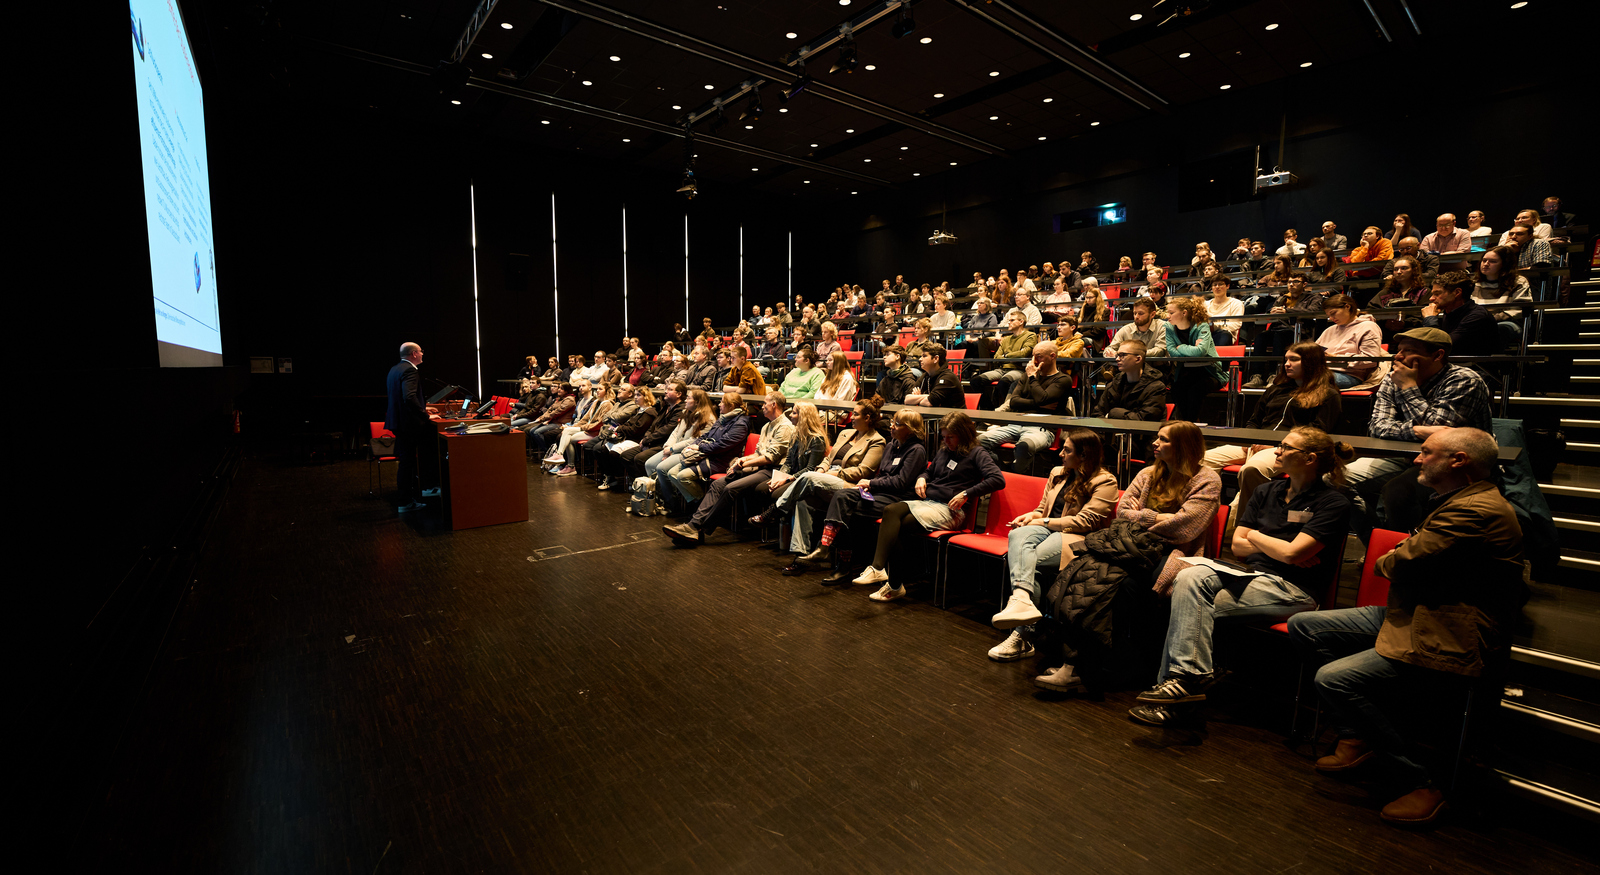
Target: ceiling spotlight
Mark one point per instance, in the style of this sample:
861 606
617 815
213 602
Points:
1226 87
1049 100
1135 17
782 109
872 66
867 160
755 169
749 127
1094 124
456 102
790 35
487 56
994 72
1272 27
1306 64
916 174
1520 4
1182 55
711 87
903 148
676 106
1041 138
615 58
544 121
847 57
939 95
506 25
799 85
813 145
626 140
806 181
925 40
904 25
994 118
587 82
952 163
849 130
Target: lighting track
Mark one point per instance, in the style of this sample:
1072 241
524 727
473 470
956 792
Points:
1090 56
594 111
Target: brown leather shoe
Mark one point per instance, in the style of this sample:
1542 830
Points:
1420 807
1351 753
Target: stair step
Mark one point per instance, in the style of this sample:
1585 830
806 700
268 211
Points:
1577 524
1580 560
1558 400
1580 423
1546 794
1556 661
1584 447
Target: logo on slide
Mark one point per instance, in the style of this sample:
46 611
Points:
197 273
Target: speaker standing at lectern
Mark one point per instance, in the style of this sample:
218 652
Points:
414 432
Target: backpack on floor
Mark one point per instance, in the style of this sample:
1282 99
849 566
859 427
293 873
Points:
643 500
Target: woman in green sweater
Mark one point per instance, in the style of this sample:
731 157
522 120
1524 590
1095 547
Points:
805 379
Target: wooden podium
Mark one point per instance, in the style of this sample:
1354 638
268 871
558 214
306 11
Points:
483 478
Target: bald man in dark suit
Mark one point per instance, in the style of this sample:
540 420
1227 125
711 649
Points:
414 433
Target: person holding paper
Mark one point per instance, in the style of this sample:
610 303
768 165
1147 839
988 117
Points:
1282 533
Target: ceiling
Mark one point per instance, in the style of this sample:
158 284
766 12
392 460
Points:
974 81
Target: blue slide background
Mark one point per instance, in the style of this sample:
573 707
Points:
177 179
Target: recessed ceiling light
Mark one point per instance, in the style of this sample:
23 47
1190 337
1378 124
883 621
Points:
1182 55
754 169
1226 87
544 121
844 2
626 140
939 95
615 58
994 72
790 35
927 39
710 87
675 106
1519 5
994 118
1049 100
506 25
1306 64
872 66
806 181
456 102
749 127
587 82
813 145
952 163
867 160
487 56
1094 124
783 109
903 148
1135 17
1041 138
1272 27
849 130
916 174
853 192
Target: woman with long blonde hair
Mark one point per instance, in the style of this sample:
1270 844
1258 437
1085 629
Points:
839 384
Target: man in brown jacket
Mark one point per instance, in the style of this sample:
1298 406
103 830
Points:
1455 594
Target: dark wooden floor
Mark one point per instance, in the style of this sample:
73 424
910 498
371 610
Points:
351 691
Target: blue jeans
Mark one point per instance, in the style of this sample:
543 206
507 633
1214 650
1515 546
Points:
662 460
1029 548
1201 596
794 497
1029 441
1344 381
1353 676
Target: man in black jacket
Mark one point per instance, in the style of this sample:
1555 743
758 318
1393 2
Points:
1135 392
940 388
414 433
1471 327
1043 389
896 381
670 409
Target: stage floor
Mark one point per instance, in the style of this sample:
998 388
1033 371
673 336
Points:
347 689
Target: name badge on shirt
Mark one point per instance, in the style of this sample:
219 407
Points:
951 464
894 463
1299 516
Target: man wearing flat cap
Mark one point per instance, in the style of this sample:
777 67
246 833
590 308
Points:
1422 395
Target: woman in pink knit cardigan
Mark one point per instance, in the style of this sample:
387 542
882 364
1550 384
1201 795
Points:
1176 497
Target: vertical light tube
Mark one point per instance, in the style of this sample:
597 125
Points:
741 271
555 277
791 270
625 329
686 270
477 330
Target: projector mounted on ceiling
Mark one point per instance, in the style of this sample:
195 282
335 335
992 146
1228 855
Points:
1276 179
940 238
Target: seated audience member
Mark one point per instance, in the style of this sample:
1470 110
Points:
805 379
681 334
1018 344
710 453
856 454
798 340
1241 250
681 366
1276 336
782 317
829 342
940 387
774 353
1188 336
1308 258
1540 230
784 448
1497 283
1405 287
1069 343
1451 308
622 406
977 281
546 430
1164 516
1024 305
1078 498
1043 389
699 412
555 414
1326 268
743 376
587 420
710 334
1331 239
1221 304
701 371
1156 290
961 472
1411 247
1455 596
1059 302
1476 229
1088 265
1124 272
1202 255
1301 394
1550 211
1423 394
943 318
904 460
1349 336
724 367
622 435
810 321
922 338
1532 251
1448 238
1134 391
1291 244
629 463
1282 269
638 372
1402 228
1373 249
1284 530
1257 259
983 317
896 380
1145 329
839 384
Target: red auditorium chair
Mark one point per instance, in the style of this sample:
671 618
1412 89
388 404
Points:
1020 495
375 460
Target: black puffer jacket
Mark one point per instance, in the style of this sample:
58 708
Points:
1080 599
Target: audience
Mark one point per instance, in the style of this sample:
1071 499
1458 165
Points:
784 448
1451 308
1188 336
1448 238
1018 344
1498 282
1042 389
856 454
1349 336
904 460
805 378
1135 391
840 383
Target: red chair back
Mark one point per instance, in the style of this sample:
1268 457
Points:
1170 408
502 406
844 343
854 358
972 400
1219 524
1375 588
1020 495
750 442
953 360
1228 352
378 431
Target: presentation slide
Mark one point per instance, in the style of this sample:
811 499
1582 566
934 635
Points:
177 187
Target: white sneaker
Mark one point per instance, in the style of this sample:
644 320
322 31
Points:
872 575
1019 611
888 593
1015 647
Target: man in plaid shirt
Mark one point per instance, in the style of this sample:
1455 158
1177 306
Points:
1422 395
